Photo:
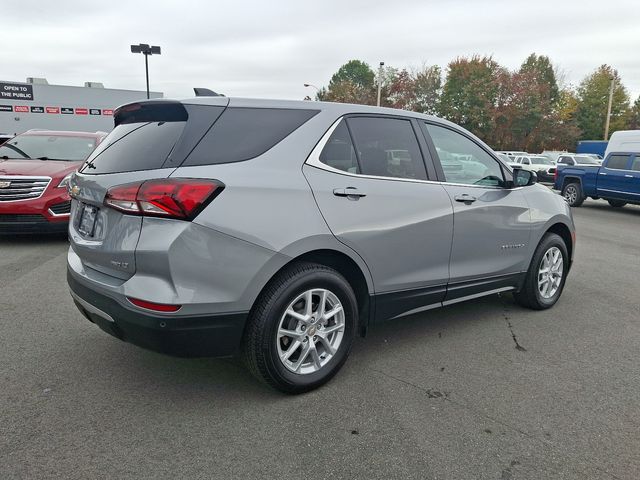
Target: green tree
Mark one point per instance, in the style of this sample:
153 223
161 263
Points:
355 71
541 69
352 83
593 97
470 94
427 86
634 117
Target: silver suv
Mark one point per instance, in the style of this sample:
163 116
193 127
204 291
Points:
279 230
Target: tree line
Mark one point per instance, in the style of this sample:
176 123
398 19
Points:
527 109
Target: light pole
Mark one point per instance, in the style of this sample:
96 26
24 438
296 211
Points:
307 85
146 50
380 81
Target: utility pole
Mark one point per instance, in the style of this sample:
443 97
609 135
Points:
380 81
606 124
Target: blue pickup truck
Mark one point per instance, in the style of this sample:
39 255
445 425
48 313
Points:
617 180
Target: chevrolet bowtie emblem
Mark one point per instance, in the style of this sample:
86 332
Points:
74 191
5 184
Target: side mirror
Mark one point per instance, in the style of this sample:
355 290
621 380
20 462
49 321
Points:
523 178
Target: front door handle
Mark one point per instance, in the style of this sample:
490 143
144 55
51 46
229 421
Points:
628 176
465 198
603 173
349 192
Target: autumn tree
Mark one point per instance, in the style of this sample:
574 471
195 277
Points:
470 94
593 97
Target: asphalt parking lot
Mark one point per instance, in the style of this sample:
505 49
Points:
482 390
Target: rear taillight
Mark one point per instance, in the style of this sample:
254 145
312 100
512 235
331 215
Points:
180 198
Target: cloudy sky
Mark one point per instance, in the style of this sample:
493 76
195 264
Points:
271 48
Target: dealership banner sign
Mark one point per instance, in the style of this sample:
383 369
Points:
16 91
56 110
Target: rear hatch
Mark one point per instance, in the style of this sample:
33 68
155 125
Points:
149 141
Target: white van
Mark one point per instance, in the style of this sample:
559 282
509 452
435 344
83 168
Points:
626 141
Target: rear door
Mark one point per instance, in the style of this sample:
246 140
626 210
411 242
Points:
615 177
150 139
491 222
384 207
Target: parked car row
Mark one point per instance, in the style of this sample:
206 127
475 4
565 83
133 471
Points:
34 177
616 180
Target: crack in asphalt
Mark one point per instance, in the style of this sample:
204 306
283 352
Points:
519 347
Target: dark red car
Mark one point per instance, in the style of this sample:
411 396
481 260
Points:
35 167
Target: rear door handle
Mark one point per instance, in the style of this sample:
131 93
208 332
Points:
602 173
348 192
628 176
465 197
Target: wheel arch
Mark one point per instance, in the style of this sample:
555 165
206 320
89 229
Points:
571 179
564 232
356 274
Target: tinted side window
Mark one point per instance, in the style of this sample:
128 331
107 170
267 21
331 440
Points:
134 146
245 133
636 164
464 161
339 152
618 162
387 147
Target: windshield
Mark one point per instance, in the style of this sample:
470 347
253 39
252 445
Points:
48 147
586 160
541 161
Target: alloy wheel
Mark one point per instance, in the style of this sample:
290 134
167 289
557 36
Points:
310 331
550 272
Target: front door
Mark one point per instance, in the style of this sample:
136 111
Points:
615 177
491 223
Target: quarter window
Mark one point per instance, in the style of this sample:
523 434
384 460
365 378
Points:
245 133
339 152
636 164
617 162
387 147
464 161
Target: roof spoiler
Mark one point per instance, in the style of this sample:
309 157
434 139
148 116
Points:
205 92
150 111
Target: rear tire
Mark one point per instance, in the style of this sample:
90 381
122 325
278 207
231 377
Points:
293 341
546 276
617 203
572 193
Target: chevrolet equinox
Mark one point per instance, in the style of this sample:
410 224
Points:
278 230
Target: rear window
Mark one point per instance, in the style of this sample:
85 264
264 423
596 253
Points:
134 146
244 133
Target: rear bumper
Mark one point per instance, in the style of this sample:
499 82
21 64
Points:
216 335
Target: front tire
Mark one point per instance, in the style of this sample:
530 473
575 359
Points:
301 328
546 276
572 193
617 203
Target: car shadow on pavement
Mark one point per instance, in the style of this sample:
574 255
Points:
34 239
150 373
